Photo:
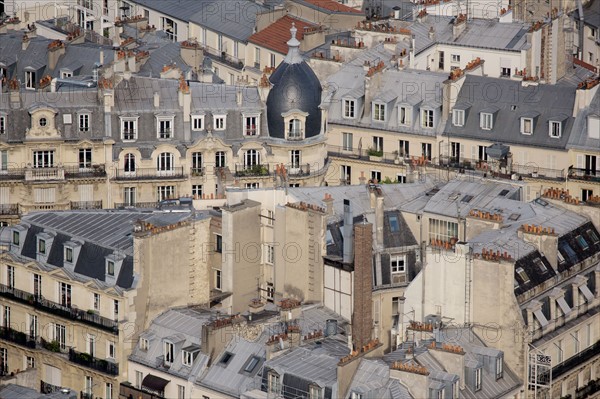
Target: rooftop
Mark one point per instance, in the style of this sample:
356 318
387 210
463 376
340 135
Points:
329 6
276 35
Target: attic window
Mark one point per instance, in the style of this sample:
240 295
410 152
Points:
582 243
251 365
110 268
486 121
189 356
467 198
144 344
592 235
41 246
16 238
394 226
527 126
503 193
524 277
68 254
540 265
555 129
561 258
569 252
226 358
458 117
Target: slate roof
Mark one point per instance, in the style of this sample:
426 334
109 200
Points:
591 14
372 379
232 18
513 101
329 6
580 134
276 35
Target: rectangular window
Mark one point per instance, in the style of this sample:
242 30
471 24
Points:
377 144
398 264
379 112
116 310
30 362
427 118
526 125
109 390
376 176
6 317
347 141
455 58
91 345
251 126
274 383
96 302
144 344
187 358
111 350
394 225
197 162
139 377
43 159
10 276
403 148
129 129
586 194
180 392
84 122
165 192
16 238
219 122
170 28
165 128
443 230
270 292
85 158
60 335
315 392
41 246
555 129
2 124
33 326
404 116
499 367
37 285
220 160
485 121
68 254
295 159
129 196
401 178
272 59
197 190
257 57
349 108
477 379
482 153
197 123
505 72
458 117
346 174
270 254
30 80
270 218
3 359
110 268
252 186
219 243
218 280
64 294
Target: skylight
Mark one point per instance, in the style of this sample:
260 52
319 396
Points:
467 198
514 216
582 242
540 265
503 193
251 365
226 358
569 252
394 226
524 277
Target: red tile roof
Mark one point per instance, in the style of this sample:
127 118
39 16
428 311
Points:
276 35
332 5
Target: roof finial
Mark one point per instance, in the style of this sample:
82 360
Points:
293 55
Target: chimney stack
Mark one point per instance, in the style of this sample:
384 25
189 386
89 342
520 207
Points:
362 317
348 232
328 200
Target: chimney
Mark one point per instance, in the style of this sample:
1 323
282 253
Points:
328 200
544 239
55 50
431 33
348 232
192 54
362 318
101 57
460 23
25 42
450 91
238 97
156 100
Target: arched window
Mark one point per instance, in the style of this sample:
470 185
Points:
129 165
164 162
251 158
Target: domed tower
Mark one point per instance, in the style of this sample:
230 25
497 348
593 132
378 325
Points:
293 102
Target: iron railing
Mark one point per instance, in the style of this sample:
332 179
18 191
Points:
136 204
126 390
17 337
89 361
66 312
584 174
242 170
74 172
78 205
576 360
150 174
9 209
48 388
194 172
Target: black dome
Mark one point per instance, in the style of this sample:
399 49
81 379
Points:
295 86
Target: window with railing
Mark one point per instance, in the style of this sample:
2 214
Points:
165 192
295 159
251 126
220 159
84 122
197 163
164 128
379 112
168 352
64 291
43 159
129 129
165 162
85 158
251 158
129 163
2 124
347 139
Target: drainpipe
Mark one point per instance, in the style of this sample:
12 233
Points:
580 9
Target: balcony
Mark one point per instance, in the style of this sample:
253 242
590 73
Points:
148 205
367 155
298 170
574 361
80 205
66 312
164 134
127 390
196 172
223 57
75 172
44 174
257 170
9 209
48 388
129 134
17 337
584 174
89 361
12 174
150 174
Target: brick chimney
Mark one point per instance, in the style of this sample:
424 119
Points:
328 200
55 50
544 239
362 317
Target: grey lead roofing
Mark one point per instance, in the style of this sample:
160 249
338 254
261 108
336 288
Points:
509 101
591 14
103 233
372 380
233 18
580 134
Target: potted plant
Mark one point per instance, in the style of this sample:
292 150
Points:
374 154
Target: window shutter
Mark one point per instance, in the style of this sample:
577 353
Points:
474 152
86 192
462 151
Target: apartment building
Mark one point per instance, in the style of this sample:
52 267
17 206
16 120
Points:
587 38
79 286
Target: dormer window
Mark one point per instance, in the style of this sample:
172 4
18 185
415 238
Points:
189 354
404 116
168 353
294 129
478 379
379 112
315 392
110 268
555 129
84 122
164 127
197 123
251 125
398 264
129 128
458 117
219 122
527 126
486 121
144 344
427 119
349 108
16 238
30 80
499 367
65 74
41 246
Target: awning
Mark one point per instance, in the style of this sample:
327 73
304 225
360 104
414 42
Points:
563 305
586 292
541 318
154 383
